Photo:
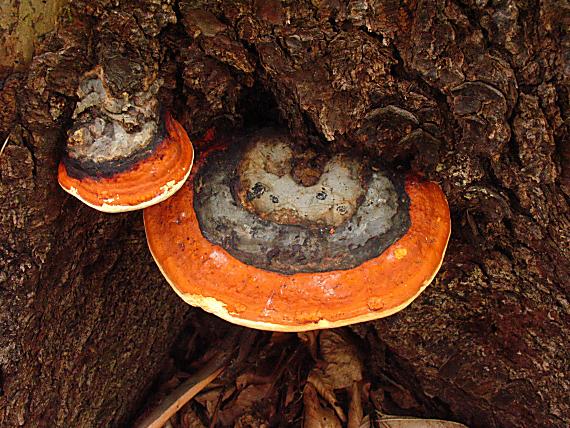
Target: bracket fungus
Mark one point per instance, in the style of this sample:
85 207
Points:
252 241
122 153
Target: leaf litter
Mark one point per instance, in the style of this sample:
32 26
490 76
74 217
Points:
227 376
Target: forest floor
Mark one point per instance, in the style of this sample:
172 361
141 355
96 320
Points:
247 378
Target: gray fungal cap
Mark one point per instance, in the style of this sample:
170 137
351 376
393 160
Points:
247 201
109 130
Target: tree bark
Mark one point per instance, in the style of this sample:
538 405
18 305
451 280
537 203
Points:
472 94
86 321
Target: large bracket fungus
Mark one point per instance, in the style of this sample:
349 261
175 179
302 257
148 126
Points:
252 242
123 153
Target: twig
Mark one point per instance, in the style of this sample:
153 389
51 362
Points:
214 418
181 395
4 145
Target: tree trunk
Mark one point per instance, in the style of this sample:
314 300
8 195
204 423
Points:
472 94
86 320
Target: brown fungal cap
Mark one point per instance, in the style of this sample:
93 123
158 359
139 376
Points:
296 263
122 154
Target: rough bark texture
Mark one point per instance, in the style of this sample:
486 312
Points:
474 94
86 319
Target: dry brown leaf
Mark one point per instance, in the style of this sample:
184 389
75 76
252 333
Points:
278 338
355 412
325 391
342 367
290 395
343 364
309 338
250 378
377 398
365 423
404 399
316 416
170 384
189 419
211 394
250 421
182 394
245 400
365 391
389 421
252 394
210 399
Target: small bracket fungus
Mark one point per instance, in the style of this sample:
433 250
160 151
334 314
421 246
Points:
122 154
249 241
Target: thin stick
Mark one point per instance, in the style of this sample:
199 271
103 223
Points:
4 145
181 395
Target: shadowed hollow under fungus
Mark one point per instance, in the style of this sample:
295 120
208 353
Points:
251 240
122 153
